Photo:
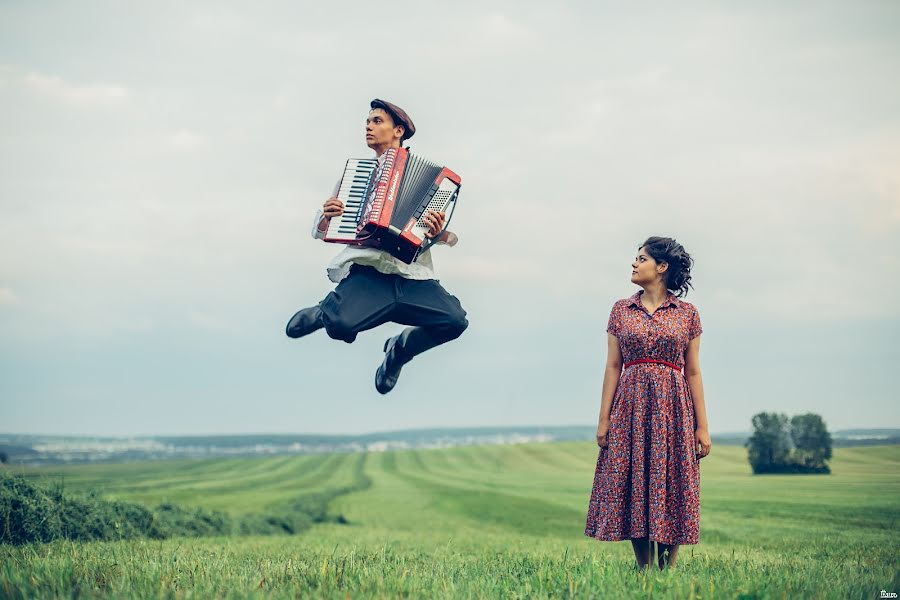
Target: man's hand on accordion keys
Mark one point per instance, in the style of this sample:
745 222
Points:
435 222
332 208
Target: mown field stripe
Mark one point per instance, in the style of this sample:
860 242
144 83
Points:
133 476
525 514
258 471
508 480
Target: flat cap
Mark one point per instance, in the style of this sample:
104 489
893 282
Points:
397 114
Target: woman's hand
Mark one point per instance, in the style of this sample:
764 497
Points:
704 444
603 433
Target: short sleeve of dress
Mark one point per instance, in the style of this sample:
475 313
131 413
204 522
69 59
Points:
615 322
694 329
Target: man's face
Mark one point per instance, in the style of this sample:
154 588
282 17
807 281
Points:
380 129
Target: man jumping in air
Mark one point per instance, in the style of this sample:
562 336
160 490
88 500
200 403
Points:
374 287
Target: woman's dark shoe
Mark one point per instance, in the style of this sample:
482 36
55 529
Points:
304 322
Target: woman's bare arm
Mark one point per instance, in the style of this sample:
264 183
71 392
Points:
610 382
695 385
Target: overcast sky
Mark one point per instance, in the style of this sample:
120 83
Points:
160 164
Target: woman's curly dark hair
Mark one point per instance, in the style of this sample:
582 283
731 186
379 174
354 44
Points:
667 250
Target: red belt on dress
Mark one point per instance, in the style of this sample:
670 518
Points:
656 361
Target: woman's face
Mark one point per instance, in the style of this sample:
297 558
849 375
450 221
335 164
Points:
646 271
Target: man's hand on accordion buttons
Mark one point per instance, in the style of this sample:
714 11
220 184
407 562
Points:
435 222
333 208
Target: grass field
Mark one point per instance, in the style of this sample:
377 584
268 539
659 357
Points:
493 521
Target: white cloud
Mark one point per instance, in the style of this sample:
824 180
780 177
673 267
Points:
476 271
501 28
185 139
7 297
281 101
87 95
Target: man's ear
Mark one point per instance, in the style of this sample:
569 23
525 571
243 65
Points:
402 130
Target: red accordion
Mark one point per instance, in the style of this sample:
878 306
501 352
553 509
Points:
384 206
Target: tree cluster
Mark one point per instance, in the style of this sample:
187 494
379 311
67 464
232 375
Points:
800 444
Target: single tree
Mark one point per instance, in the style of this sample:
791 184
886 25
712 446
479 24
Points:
770 445
812 442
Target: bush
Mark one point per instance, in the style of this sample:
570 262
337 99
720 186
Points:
31 513
172 520
287 523
27 513
91 518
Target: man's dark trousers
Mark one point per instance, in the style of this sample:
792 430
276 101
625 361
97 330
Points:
366 298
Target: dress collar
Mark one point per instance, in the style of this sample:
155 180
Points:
671 300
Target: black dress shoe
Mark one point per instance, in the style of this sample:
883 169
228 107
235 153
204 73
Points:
304 322
389 372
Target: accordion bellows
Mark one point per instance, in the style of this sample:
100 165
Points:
383 207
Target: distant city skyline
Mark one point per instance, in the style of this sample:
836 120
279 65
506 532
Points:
161 164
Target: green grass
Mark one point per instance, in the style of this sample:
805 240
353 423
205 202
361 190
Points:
496 522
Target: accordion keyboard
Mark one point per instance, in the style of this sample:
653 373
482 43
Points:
352 192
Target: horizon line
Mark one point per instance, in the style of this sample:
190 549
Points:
510 428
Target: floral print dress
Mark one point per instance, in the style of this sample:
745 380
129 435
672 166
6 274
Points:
647 480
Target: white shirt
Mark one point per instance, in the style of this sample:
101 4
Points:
382 261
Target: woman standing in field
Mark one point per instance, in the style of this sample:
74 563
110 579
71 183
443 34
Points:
653 428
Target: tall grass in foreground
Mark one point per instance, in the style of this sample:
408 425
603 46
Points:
278 567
